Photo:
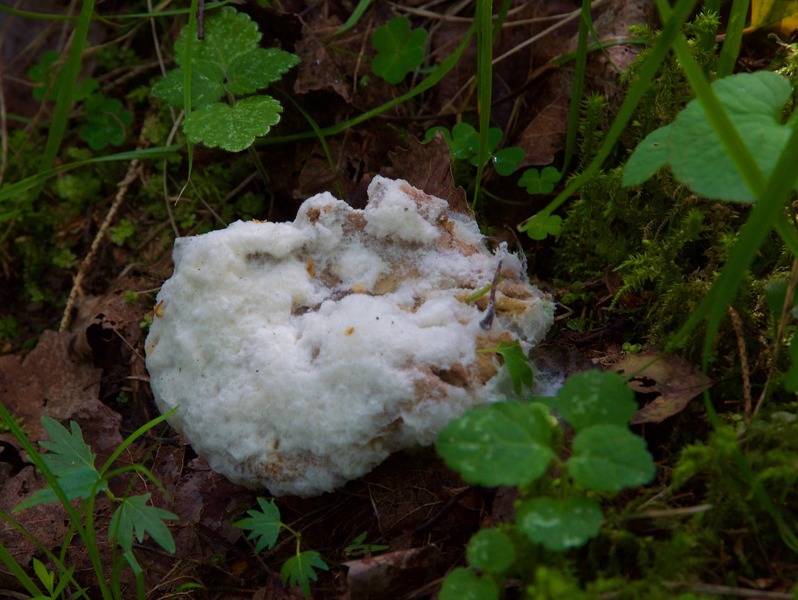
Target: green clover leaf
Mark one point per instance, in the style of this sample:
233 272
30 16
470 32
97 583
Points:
506 443
400 50
506 160
541 225
105 122
233 128
540 182
696 156
560 523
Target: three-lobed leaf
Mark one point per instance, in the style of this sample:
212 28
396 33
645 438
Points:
539 181
690 146
560 523
542 225
400 49
506 443
300 570
263 525
609 458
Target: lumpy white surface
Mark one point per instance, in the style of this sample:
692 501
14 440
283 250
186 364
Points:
301 354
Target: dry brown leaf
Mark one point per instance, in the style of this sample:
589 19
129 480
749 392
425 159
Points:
674 380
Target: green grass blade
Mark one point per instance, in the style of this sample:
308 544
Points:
353 19
14 190
69 78
733 39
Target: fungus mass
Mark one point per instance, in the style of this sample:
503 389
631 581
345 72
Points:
300 355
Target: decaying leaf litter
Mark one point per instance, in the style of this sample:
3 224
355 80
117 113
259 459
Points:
412 504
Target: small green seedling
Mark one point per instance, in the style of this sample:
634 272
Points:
105 120
359 546
690 146
400 49
264 525
463 142
517 364
540 182
227 67
521 444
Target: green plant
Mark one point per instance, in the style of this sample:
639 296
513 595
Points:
227 64
399 50
71 474
463 142
522 444
264 525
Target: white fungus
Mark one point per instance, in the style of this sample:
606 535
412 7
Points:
300 355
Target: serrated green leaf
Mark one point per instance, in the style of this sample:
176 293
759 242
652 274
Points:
697 158
400 50
609 458
206 86
264 524
462 584
300 570
135 515
507 443
71 460
595 398
219 66
258 68
559 523
542 225
228 34
490 550
233 128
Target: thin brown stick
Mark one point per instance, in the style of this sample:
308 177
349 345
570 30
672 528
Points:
737 325
133 172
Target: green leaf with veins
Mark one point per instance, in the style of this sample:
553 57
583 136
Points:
263 525
71 460
135 516
559 523
400 50
300 570
506 443
609 458
754 103
233 128
595 398
227 60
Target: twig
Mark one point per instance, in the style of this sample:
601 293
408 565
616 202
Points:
737 325
133 171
